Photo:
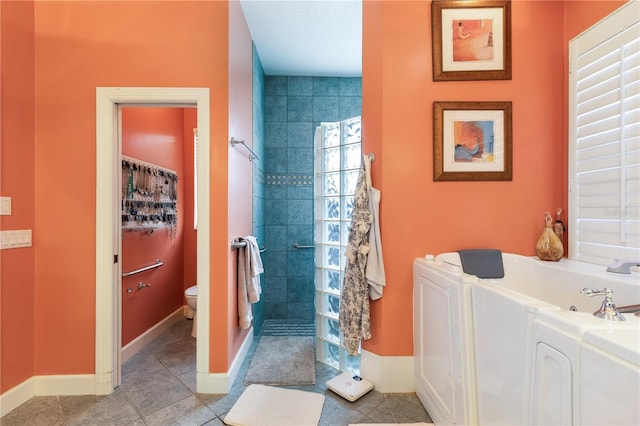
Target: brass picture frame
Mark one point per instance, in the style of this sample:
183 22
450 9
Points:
472 141
471 39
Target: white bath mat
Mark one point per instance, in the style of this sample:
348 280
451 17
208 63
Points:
261 405
391 424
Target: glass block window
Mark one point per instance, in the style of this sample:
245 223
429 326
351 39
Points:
338 158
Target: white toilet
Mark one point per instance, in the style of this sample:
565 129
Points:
191 294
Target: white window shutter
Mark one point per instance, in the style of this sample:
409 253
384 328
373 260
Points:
604 132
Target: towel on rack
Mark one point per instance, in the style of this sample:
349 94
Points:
256 261
375 274
249 269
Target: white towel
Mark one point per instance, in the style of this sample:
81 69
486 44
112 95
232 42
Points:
255 268
376 277
374 269
249 269
244 282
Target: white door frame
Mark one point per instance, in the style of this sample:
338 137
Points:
108 222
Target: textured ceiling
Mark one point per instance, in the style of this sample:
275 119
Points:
307 37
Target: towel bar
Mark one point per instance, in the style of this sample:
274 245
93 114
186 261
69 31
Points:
240 244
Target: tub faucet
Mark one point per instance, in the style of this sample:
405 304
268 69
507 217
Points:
621 266
608 308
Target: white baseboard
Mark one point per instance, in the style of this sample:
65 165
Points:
72 384
132 348
77 384
16 396
389 373
221 382
68 384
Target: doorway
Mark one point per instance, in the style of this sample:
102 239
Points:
109 102
158 250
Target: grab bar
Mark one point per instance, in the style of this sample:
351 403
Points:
240 244
297 246
252 156
146 268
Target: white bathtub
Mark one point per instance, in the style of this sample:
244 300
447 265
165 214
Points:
510 350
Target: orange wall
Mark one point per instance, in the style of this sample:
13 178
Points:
582 14
17 180
156 136
80 46
420 216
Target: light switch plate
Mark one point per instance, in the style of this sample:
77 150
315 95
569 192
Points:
5 206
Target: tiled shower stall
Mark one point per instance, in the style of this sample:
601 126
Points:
287 109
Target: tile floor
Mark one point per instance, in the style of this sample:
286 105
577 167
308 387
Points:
158 388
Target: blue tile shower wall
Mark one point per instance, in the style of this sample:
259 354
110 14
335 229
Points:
258 173
293 107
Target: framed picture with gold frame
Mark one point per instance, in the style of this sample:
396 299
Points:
472 141
471 39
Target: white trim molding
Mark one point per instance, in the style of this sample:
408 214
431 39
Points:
16 396
134 346
72 384
388 373
108 244
221 382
